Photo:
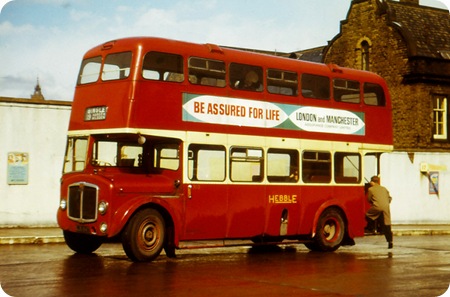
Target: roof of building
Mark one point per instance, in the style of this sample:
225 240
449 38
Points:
36 98
312 54
34 101
426 30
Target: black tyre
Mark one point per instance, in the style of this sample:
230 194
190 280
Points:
169 245
312 246
144 235
82 243
330 231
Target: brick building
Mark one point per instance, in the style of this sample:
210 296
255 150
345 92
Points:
409 46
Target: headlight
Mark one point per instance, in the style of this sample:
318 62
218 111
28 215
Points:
63 204
102 207
103 227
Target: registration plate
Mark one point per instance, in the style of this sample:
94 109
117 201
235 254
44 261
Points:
83 229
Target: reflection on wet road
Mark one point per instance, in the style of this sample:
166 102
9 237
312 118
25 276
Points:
417 266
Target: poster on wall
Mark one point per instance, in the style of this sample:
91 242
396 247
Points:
17 168
433 181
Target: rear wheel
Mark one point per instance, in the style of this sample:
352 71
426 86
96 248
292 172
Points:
82 243
143 238
330 232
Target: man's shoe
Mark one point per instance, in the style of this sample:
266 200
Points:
390 245
369 231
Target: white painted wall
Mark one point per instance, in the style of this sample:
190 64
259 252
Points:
39 130
409 188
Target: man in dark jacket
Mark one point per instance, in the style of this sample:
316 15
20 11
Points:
379 199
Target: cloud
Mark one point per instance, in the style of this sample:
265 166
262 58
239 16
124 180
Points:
3 3
48 39
7 28
18 85
53 51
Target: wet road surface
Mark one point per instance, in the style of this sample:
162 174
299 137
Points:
417 266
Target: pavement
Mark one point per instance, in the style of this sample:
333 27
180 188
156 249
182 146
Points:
43 235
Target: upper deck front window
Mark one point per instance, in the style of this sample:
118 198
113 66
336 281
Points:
116 66
90 70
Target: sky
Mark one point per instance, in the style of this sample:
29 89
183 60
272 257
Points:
46 39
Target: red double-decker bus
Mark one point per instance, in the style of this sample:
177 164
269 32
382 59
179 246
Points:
171 143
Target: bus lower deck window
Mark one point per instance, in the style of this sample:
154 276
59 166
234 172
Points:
206 162
282 165
316 167
347 168
246 164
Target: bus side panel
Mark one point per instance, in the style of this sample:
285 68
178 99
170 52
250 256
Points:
205 211
156 103
349 199
246 211
283 210
381 132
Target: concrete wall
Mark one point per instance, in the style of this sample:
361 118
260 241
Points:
40 131
410 188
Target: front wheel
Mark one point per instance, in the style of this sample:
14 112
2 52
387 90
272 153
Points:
143 238
82 243
330 231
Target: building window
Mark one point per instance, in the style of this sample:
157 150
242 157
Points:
365 55
439 117
363 49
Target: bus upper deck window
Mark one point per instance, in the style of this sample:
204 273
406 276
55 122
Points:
282 82
246 77
206 72
117 66
90 70
315 86
374 95
345 90
163 67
